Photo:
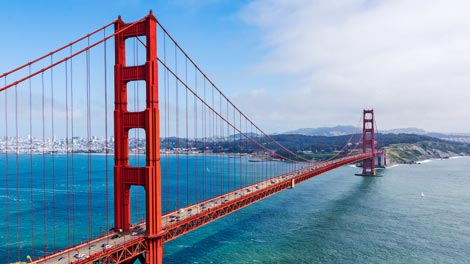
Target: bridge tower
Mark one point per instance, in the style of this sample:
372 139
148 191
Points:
125 175
368 143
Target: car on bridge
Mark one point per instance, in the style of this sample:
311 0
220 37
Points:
106 246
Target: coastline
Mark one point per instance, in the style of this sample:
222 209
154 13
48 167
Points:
424 161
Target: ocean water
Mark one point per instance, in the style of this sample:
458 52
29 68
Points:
341 218
77 192
333 218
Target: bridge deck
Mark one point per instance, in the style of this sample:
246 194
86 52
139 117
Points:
122 246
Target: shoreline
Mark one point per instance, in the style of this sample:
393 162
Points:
424 161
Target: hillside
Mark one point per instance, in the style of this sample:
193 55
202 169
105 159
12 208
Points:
331 144
412 153
401 148
347 130
324 131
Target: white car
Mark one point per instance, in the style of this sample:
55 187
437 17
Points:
79 255
107 246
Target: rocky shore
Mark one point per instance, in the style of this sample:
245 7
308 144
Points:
413 153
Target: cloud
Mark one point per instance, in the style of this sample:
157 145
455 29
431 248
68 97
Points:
409 60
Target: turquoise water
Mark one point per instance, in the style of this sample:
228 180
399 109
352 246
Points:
340 218
333 218
54 182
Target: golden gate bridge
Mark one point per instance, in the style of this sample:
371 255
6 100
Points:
176 153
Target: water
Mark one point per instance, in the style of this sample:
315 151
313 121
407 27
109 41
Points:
333 218
54 182
340 218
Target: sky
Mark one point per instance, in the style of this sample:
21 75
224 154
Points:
291 64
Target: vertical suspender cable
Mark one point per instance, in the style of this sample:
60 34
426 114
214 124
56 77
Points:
187 134
177 135
233 151
7 209
31 198
268 160
213 190
52 158
228 151
265 160
219 158
44 165
256 166
269 163
106 130
221 140
206 126
167 145
196 182
67 172
247 166
240 151
88 133
215 146
203 127
215 160
16 173
73 147
213 135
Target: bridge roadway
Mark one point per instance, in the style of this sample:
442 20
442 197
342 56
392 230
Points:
128 245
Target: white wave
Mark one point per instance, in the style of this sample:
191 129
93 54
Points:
424 161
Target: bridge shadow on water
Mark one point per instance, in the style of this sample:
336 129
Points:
353 198
329 233
192 249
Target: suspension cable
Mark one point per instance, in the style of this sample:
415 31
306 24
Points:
230 102
198 97
6 86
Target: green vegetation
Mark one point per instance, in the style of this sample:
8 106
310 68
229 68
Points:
430 149
401 148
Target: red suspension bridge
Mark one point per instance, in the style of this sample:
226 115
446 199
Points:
176 153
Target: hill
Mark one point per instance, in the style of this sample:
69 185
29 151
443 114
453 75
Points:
324 131
412 153
347 130
401 148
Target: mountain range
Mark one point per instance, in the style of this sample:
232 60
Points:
347 130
